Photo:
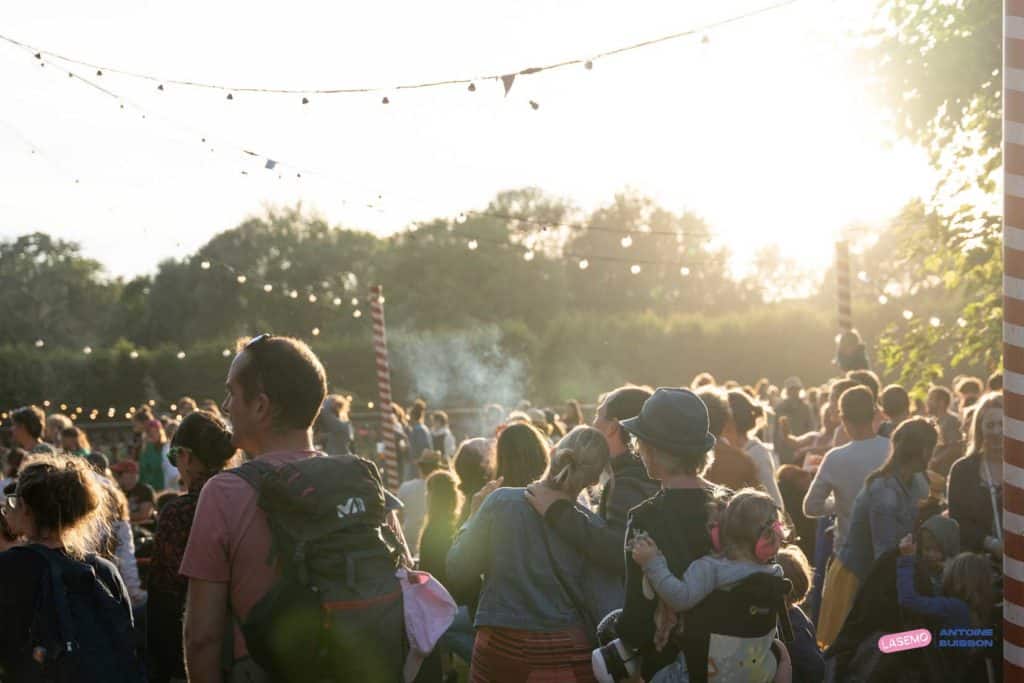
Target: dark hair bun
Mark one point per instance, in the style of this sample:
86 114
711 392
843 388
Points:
207 436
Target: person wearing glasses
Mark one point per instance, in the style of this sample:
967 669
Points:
57 507
201 448
275 387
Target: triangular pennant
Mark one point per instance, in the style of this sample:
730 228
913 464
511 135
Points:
270 164
507 81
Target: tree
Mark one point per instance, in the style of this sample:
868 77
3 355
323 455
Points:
938 66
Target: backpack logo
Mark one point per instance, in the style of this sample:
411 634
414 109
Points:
353 506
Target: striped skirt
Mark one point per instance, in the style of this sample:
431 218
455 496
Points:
507 655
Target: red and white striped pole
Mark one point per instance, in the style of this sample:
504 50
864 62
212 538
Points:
1013 340
387 416
843 286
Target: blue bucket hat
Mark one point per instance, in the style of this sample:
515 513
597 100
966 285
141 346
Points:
674 420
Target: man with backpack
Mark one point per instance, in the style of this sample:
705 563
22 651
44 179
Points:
290 575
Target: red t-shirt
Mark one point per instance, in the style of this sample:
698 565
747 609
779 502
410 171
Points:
230 541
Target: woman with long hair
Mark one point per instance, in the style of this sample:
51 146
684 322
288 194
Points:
474 467
886 508
522 455
528 626
976 481
201 448
57 506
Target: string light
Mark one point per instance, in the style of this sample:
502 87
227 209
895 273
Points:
316 331
908 314
626 242
205 265
241 279
961 322
934 321
46 403
369 405
355 301
226 352
473 244
268 288
174 407
294 294
357 313
63 406
684 271
78 410
312 298
40 343
151 402
862 276
87 350
635 269
337 301
528 256
181 355
584 264
883 299
133 355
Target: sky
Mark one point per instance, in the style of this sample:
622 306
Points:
767 128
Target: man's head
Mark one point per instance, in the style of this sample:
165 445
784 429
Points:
186 406
970 389
995 381
55 425
27 425
127 473
895 402
793 387
439 420
868 379
140 419
617 405
857 410
275 385
939 400
717 403
418 410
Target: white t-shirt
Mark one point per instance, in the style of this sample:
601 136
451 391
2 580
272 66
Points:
840 478
413 495
764 462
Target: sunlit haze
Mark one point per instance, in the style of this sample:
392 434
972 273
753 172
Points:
765 129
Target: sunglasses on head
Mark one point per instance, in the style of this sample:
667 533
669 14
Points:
172 455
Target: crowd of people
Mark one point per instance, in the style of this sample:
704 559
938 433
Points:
713 531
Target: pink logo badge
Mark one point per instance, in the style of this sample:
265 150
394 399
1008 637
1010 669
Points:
907 640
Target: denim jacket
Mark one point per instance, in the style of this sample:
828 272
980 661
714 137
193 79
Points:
504 541
883 513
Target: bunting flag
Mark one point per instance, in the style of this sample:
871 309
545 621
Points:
507 81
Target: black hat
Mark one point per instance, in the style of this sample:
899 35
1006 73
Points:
674 420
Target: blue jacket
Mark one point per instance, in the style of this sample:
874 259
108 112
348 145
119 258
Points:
883 513
808 664
953 612
504 541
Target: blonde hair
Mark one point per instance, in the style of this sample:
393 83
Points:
64 498
578 459
968 576
744 521
797 569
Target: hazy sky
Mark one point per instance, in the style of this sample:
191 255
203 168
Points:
766 129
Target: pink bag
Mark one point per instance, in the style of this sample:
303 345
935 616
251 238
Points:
429 612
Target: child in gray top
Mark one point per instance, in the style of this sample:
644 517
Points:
751 534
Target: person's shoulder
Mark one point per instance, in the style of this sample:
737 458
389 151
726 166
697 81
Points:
177 507
962 466
507 494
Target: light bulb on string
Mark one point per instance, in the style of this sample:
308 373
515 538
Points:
355 301
87 350
151 402
78 410
684 271
40 343
316 332
934 321
205 265
241 279
528 256
908 314
133 355
181 355
337 301
268 288
961 322
312 298
226 352
174 407
472 245
862 276
635 269
460 219
63 407
294 294
357 313
584 264
369 405
883 299
46 404
626 241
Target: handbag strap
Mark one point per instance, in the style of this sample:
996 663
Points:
577 602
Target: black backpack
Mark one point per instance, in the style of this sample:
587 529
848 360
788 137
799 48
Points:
752 608
81 631
335 614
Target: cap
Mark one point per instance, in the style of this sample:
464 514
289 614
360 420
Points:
125 466
675 420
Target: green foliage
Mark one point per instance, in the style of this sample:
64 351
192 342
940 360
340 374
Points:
937 65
